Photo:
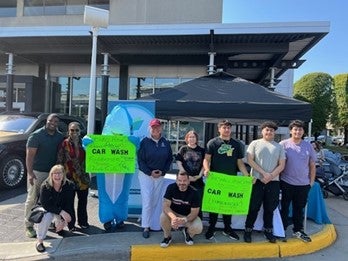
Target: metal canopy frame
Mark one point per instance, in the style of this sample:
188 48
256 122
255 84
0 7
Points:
245 50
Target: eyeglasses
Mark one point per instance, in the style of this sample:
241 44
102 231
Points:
74 130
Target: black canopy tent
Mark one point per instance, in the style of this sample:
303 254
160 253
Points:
222 95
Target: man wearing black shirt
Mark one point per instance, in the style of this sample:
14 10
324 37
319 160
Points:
224 155
180 210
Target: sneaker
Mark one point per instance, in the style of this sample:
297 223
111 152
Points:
231 234
30 232
247 236
84 226
146 233
120 225
166 241
40 247
108 227
188 239
61 233
52 226
303 236
270 237
210 233
284 239
73 229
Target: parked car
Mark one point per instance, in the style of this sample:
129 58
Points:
15 129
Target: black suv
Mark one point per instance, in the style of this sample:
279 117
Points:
15 129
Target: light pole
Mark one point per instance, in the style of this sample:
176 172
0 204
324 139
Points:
96 18
105 89
9 82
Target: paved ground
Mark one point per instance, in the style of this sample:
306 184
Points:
127 243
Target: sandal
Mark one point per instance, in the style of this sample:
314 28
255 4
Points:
40 247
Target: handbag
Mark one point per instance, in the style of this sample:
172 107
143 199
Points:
37 213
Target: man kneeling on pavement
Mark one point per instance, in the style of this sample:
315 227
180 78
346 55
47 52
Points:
181 206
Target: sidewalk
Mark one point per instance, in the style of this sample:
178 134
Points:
128 244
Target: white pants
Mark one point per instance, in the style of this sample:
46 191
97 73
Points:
152 192
33 193
46 221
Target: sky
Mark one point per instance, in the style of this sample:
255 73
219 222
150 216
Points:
330 55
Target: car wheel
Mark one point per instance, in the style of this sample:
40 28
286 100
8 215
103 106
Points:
12 172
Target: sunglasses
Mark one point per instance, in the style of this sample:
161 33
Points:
74 130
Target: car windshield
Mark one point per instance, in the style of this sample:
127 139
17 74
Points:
15 123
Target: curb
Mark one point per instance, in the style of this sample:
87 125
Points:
182 252
326 237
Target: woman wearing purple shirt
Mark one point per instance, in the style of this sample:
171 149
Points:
297 178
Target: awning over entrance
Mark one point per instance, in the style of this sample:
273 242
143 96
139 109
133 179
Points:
245 50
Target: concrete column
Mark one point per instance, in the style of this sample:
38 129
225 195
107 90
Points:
20 8
123 91
255 134
48 89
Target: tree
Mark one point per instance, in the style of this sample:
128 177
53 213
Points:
316 88
341 94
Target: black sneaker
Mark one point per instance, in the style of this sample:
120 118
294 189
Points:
247 236
303 236
166 241
284 239
120 225
61 233
40 247
73 229
52 226
84 226
188 239
270 237
231 234
146 233
210 233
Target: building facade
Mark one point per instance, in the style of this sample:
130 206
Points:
150 45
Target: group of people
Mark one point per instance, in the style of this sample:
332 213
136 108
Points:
56 173
288 166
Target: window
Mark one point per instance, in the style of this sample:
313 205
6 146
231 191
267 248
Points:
8 8
79 88
61 7
140 87
33 7
103 4
76 6
55 7
175 132
162 84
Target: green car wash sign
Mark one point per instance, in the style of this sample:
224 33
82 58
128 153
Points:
226 194
110 154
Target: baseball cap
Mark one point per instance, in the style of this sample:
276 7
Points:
155 122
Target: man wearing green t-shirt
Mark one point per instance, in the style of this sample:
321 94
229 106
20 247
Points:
41 155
